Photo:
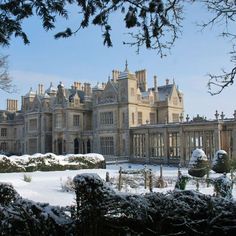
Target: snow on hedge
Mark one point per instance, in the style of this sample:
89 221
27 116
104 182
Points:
50 161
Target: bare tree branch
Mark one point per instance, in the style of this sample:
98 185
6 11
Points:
5 80
223 14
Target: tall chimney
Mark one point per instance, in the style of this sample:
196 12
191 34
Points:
12 105
155 83
40 89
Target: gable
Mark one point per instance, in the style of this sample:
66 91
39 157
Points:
109 94
174 96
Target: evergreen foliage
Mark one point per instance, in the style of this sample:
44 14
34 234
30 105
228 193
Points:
49 162
223 186
221 162
181 182
23 217
101 211
198 164
152 24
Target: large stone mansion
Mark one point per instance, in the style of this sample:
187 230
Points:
120 118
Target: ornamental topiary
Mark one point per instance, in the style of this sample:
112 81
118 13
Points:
198 164
221 162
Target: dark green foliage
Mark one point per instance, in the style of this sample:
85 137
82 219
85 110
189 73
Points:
138 16
221 162
181 182
48 163
23 217
102 212
233 164
6 166
222 186
7 194
199 171
198 165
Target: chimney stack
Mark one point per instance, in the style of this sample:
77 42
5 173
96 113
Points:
12 105
155 83
40 89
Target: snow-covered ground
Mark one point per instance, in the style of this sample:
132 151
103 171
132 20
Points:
46 186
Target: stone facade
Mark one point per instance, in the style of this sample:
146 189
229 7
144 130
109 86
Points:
120 118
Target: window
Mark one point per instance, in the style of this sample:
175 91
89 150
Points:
75 120
123 118
107 145
106 118
140 118
152 118
33 124
3 146
132 118
3 132
58 121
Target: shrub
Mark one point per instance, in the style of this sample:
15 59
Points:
221 163
27 178
68 185
7 165
181 182
7 194
198 164
223 187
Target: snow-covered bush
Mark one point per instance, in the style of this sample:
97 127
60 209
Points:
221 162
7 194
7 165
68 185
102 211
24 217
198 164
50 162
223 186
27 178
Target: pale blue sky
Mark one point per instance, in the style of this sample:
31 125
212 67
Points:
84 58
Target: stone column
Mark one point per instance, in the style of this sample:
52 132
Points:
217 135
147 145
166 145
182 144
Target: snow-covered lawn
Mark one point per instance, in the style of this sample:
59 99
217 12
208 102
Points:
46 186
